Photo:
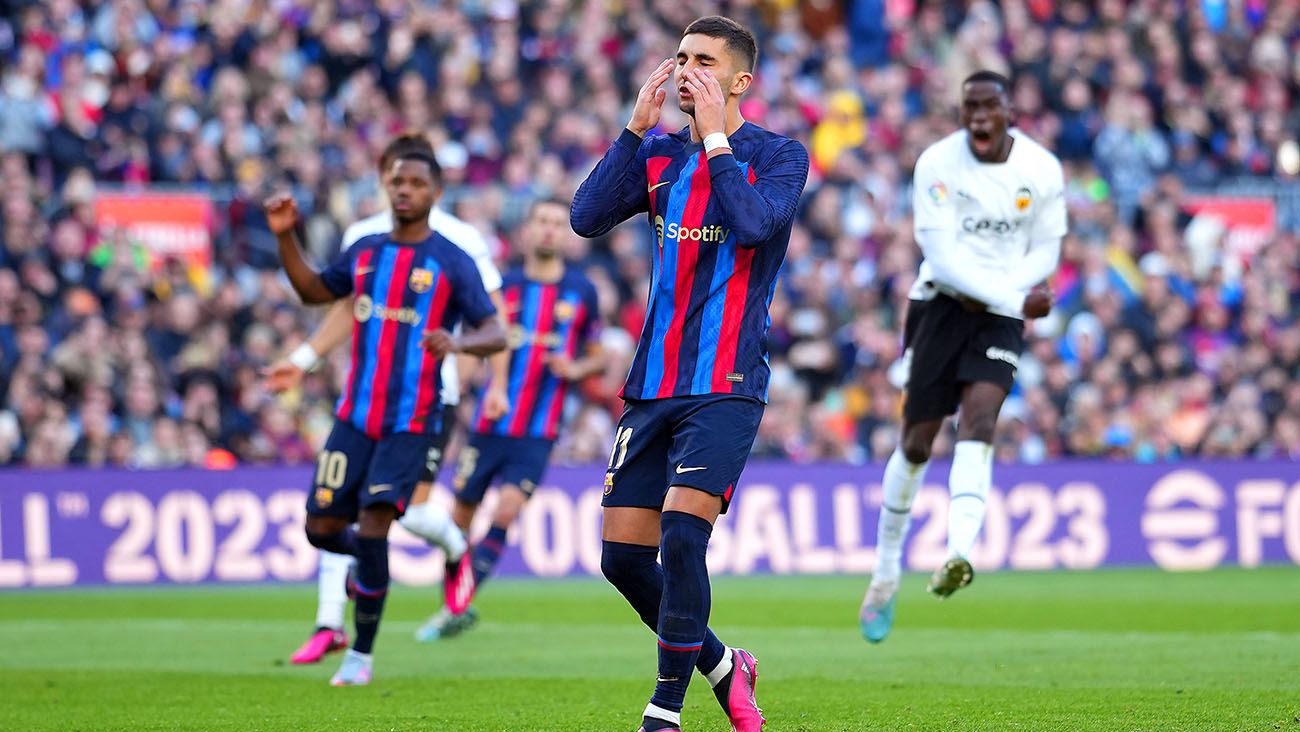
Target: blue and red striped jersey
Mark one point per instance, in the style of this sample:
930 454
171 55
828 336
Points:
403 291
544 319
721 228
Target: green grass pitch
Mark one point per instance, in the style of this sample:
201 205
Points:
1107 650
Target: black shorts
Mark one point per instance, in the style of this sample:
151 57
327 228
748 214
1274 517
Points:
948 347
700 442
433 457
517 461
355 471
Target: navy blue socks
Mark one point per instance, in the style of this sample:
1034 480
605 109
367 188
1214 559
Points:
635 572
684 610
488 553
371 586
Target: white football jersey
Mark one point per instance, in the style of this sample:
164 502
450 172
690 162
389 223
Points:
1000 223
457 232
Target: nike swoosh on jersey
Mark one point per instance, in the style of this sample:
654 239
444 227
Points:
681 470
364 270
657 185
377 489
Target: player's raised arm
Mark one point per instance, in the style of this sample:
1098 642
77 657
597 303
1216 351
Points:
282 216
616 189
755 213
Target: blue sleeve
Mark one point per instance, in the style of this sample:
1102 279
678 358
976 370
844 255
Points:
757 212
338 275
468 292
614 192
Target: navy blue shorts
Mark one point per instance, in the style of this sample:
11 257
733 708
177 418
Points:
516 461
355 471
700 442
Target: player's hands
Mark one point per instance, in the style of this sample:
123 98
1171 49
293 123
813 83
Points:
495 402
562 366
971 305
1038 303
650 100
281 213
441 343
710 102
282 376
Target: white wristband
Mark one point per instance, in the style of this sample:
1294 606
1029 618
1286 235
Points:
304 357
715 140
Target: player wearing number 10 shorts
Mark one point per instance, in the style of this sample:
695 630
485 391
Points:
412 288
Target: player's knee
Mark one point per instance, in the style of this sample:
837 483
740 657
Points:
505 516
328 541
618 567
916 449
683 538
980 426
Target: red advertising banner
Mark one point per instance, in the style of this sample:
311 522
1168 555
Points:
168 225
1250 221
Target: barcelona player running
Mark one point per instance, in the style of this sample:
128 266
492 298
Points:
412 287
721 196
423 517
553 324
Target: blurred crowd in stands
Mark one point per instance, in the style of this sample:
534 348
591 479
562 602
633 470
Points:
1176 333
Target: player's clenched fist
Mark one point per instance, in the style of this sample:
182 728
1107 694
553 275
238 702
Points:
496 402
650 100
1038 303
281 213
441 343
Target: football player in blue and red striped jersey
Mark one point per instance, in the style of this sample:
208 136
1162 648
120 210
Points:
720 196
553 326
412 288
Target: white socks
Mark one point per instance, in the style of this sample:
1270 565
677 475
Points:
434 525
331 588
968 484
660 713
720 671
900 484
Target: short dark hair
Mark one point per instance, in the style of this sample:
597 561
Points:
425 156
739 40
411 141
991 77
548 201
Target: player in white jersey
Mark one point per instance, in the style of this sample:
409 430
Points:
989 215
424 519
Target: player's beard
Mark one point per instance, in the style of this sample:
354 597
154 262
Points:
411 217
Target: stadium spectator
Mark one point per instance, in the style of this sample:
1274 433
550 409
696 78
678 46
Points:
1175 335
